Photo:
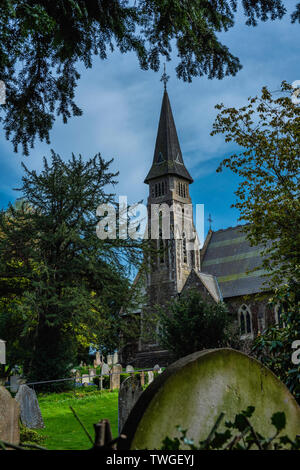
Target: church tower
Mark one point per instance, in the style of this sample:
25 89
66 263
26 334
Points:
169 183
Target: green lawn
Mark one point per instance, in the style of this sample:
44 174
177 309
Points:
63 430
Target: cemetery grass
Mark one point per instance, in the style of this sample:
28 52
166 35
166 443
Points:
62 429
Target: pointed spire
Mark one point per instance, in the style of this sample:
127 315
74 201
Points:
167 158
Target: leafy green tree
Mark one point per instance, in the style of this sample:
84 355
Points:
267 132
75 283
42 43
190 313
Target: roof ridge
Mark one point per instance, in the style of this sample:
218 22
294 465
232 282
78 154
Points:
230 228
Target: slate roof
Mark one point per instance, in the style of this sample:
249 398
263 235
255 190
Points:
167 159
229 256
211 284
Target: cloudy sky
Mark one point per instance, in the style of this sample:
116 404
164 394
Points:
121 106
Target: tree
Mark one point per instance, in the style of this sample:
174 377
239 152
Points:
190 313
42 43
75 283
267 131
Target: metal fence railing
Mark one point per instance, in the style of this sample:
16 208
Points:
81 380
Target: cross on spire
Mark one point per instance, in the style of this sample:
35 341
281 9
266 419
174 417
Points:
210 221
165 78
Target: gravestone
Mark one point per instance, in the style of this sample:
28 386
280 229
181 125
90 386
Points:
129 369
142 378
97 359
31 416
115 377
150 377
14 382
2 351
105 369
109 359
78 377
85 379
92 374
193 392
115 358
9 417
129 393
157 368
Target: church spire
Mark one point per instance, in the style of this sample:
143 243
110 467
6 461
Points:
167 158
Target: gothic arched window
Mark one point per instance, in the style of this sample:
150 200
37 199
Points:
242 325
245 320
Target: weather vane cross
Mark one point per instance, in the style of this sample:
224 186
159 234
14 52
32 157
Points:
210 221
165 77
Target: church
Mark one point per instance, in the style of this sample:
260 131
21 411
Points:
222 269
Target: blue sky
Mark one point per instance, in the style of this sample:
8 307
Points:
121 106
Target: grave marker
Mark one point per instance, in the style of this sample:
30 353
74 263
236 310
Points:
31 415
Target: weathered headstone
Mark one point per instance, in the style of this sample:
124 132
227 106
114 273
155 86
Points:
105 369
14 382
2 351
157 368
115 377
115 358
129 369
194 391
31 415
129 393
150 377
92 374
97 359
9 417
85 379
78 377
109 359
